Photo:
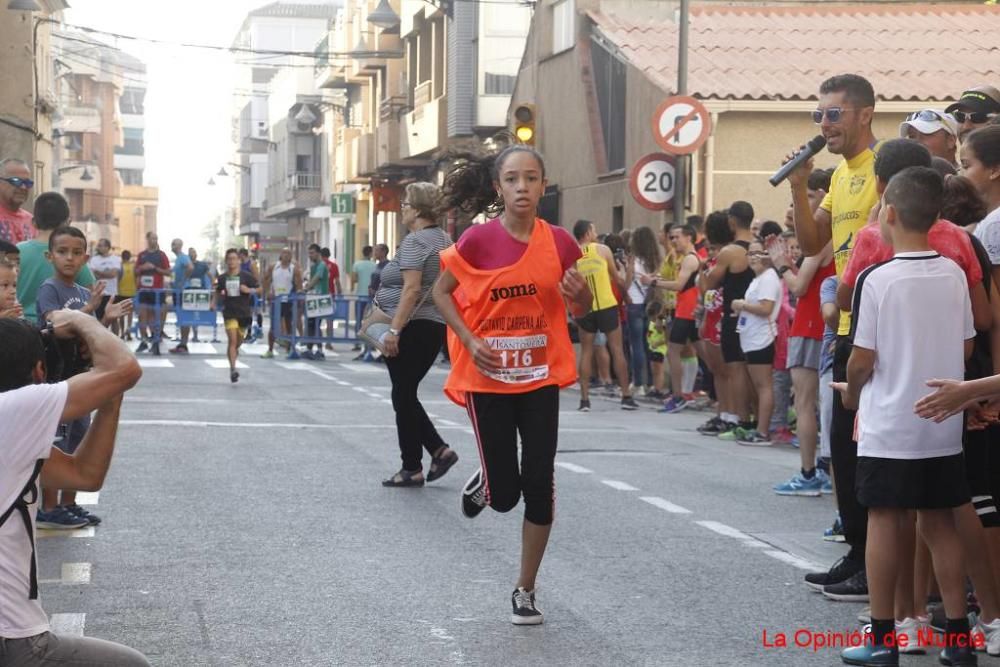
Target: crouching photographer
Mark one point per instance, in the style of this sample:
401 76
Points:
30 412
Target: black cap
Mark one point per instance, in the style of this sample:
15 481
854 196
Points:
981 99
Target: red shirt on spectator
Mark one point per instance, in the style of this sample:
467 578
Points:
334 271
948 239
808 321
15 226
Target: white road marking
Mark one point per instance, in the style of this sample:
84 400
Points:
294 365
316 371
76 573
87 497
362 390
361 368
794 560
146 362
387 401
723 529
621 486
447 422
665 505
572 467
223 363
87 531
68 624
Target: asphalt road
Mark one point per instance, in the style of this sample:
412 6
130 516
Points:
245 525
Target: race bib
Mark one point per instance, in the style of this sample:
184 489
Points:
197 300
233 286
145 281
194 283
280 290
523 359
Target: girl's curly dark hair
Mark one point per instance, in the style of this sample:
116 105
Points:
469 183
962 204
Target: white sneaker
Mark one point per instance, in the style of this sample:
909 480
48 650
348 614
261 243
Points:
991 636
913 629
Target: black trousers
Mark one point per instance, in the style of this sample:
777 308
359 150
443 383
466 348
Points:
844 455
419 344
497 419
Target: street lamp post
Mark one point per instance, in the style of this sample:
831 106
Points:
680 177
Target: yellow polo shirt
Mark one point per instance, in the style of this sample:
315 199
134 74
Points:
850 199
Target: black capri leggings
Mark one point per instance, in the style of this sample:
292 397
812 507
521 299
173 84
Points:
497 419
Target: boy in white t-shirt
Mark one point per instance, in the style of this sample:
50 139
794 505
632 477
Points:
913 321
757 327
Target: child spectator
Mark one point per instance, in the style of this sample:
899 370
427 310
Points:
757 327
656 341
962 204
782 378
51 211
68 254
905 463
9 307
9 253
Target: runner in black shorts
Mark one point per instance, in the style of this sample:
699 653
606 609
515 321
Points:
733 274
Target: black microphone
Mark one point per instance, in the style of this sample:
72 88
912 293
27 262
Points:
815 145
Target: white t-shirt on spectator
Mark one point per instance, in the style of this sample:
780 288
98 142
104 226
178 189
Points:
636 290
758 332
30 416
988 233
109 263
915 312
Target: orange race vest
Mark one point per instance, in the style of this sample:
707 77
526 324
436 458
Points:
520 312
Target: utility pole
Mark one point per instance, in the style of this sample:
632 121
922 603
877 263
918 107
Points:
680 176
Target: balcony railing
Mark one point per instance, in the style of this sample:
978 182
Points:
304 180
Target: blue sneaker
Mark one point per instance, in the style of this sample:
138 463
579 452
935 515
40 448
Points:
674 405
307 354
59 518
871 656
835 533
800 486
827 488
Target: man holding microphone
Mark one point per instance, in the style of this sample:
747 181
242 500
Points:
844 114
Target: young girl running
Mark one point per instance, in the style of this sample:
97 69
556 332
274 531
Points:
502 294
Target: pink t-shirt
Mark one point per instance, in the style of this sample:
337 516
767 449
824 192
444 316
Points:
948 239
15 226
489 246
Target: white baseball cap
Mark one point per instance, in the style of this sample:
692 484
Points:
929 121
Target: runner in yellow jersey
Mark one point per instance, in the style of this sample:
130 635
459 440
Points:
597 267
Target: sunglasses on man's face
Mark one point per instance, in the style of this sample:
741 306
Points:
833 114
17 182
927 115
976 117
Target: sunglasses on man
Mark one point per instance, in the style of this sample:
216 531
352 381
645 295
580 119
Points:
927 115
833 114
25 183
976 117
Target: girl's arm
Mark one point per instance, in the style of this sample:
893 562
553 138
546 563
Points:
485 357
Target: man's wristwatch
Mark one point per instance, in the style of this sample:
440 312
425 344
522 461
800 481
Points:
394 332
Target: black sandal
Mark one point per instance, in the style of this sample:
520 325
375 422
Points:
405 479
441 465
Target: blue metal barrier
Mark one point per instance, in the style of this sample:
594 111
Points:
186 317
343 306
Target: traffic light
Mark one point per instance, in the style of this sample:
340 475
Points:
255 246
524 123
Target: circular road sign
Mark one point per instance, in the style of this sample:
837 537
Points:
681 125
652 181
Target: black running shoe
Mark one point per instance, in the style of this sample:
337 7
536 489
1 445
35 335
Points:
143 346
234 376
92 519
842 570
584 406
525 612
854 589
958 655
711 427
474 495
628 403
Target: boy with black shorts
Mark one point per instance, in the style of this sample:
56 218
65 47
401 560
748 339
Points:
906 463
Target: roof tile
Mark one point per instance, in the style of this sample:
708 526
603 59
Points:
907 51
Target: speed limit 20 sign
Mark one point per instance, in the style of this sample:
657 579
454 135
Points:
652 181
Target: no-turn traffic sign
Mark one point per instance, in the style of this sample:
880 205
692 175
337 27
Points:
681 125
652 181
